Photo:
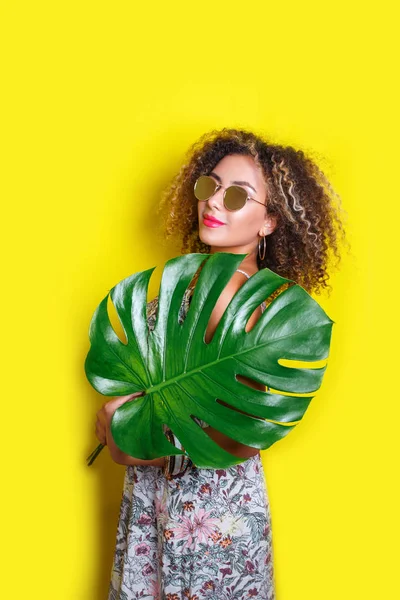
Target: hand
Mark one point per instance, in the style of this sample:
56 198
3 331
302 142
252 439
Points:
103 431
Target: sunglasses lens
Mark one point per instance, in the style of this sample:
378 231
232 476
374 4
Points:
204 187
235 198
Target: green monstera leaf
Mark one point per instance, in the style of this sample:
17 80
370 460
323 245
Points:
183 377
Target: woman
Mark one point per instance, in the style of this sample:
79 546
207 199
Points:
188 532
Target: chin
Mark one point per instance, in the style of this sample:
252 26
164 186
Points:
207 237
204 239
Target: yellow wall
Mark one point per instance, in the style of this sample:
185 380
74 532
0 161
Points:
101 102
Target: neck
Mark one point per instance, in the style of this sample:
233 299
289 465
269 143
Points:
249 262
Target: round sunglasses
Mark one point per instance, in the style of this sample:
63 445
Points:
235 196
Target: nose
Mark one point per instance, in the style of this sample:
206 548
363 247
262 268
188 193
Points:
216 200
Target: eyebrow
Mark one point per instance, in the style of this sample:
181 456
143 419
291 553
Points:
218 178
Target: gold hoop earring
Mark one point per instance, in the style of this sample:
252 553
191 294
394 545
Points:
265 246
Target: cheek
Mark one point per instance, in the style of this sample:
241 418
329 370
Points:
244 223
241 220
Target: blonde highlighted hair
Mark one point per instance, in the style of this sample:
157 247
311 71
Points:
306 241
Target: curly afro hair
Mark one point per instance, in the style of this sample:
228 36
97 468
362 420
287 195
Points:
309 216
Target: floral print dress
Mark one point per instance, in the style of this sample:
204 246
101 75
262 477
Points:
204 534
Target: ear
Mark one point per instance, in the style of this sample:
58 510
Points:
269 225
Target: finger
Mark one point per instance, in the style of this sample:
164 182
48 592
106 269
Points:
101 434
121 399
130 396
112 406
102 417
100 427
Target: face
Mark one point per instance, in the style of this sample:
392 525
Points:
240 230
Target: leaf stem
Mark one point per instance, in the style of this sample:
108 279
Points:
90 459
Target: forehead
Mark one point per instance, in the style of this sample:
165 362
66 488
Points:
234 167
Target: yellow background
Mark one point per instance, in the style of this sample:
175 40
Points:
101 100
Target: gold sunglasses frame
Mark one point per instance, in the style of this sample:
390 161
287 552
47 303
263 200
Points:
218 186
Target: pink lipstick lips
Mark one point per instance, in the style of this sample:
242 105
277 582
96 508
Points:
210 221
